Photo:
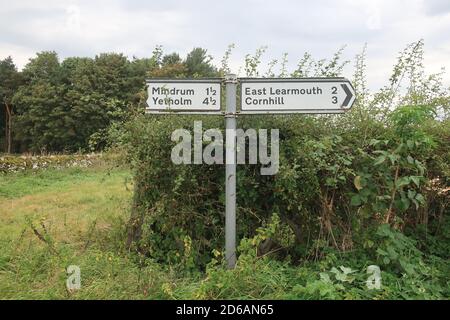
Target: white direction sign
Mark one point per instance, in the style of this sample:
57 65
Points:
308 95
183 95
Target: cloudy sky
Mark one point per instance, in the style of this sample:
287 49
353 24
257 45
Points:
134 27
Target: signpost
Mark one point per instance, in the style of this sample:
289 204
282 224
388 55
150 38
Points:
230 171
258 96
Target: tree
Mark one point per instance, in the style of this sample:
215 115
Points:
102 91
69 106
169 66
199 64
41 121
174 70
44 67
172 58
10 80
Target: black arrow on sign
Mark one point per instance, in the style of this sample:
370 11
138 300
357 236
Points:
348 97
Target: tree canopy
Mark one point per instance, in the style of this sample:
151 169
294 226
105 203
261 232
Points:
69 105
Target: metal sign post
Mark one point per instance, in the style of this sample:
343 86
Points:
258 96
230 171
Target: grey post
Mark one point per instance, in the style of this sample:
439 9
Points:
230 171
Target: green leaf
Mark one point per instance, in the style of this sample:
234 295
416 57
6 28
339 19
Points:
411 194
331 182
420 167
325 277
379 160
416 203
356 201
416 180
392 254
346 270
403 204
410 159
403 181
420 198
410 144
369 243
393 158
347 162
408 267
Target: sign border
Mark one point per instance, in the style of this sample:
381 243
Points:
188 80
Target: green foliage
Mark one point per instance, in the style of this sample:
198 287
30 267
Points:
198 64
331 278
225 63
252 62
329 188
399 250
10 79
35 268
156 194
339 177
79 104
57 98
309 67
393 171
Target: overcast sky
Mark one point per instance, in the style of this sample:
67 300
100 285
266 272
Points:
134 27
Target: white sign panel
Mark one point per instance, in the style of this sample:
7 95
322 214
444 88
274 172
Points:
321 95
183 95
